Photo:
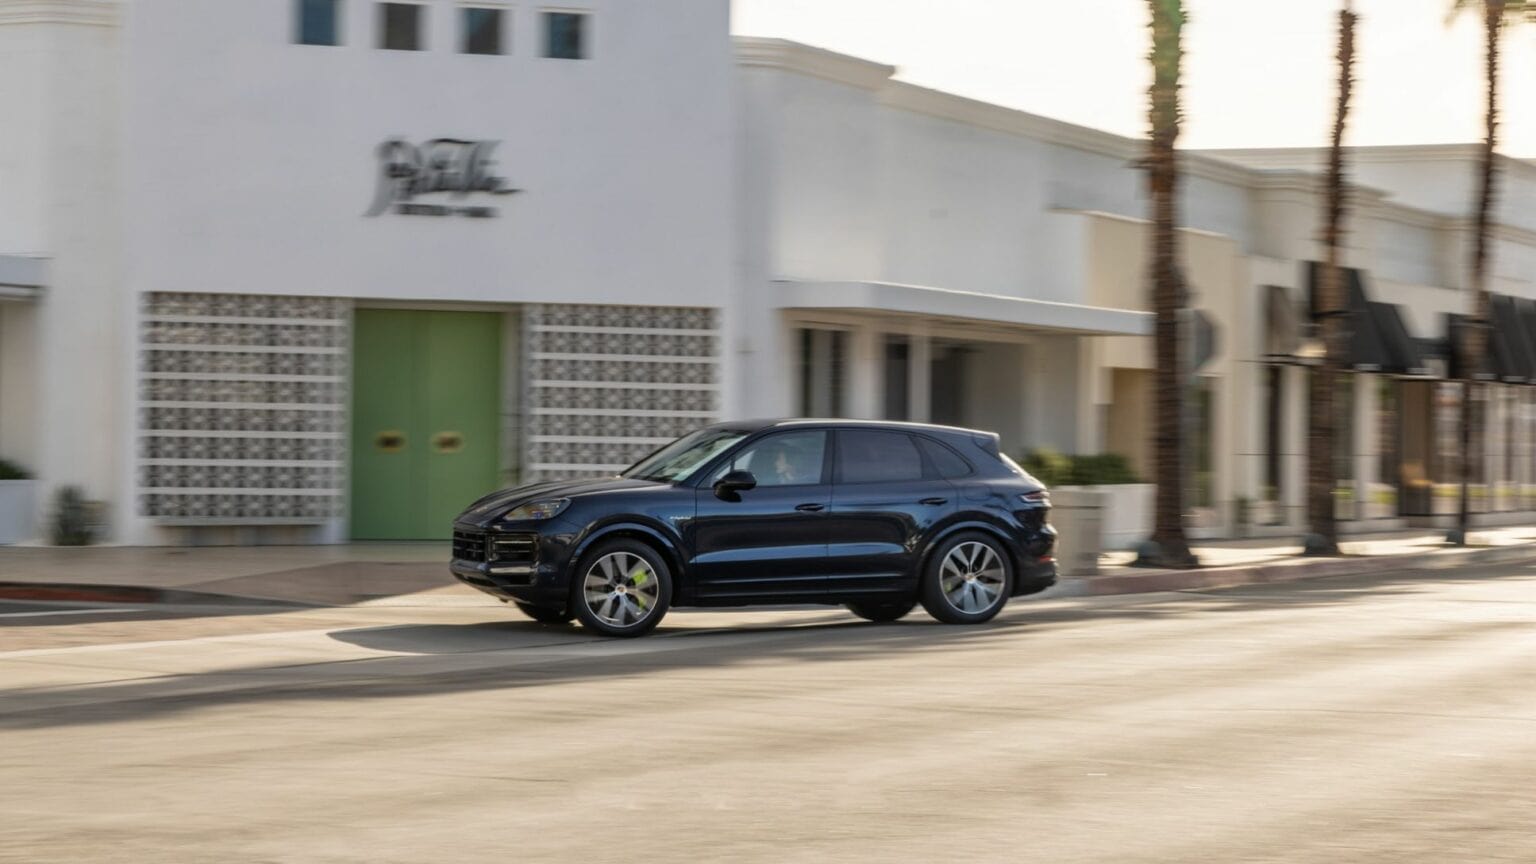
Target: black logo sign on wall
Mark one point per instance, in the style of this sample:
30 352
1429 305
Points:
447 166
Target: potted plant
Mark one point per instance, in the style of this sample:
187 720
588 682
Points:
18 503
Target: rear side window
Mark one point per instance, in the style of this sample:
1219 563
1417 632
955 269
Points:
948 462
873 456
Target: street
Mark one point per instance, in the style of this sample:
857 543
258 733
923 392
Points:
1342 720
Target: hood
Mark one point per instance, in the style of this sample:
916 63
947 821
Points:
490 507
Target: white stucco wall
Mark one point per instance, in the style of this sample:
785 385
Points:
250 160
59 174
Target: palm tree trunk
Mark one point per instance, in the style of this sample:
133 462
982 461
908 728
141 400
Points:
1172 547
1323 538
1474 335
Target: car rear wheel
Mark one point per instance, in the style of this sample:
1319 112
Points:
967 579
621 588
544 614
882 612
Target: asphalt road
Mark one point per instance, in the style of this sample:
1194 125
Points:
1333 721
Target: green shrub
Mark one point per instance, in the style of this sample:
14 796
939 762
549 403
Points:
1048 466
1098 469
74 521
12 471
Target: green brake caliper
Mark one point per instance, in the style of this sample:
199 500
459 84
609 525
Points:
639 578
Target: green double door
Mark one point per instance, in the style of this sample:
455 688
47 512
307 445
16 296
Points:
426 430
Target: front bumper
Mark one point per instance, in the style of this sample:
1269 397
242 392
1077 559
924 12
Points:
521 565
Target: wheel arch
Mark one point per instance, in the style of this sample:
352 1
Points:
963 526
643 533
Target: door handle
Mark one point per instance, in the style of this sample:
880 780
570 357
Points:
811 508
934 501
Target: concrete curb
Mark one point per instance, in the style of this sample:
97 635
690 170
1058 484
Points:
64 592
1132 581
1125 580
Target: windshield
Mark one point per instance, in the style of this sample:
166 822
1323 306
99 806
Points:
678 460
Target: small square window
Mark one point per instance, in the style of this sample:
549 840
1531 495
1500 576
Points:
565 35
318 22
400 26
482 31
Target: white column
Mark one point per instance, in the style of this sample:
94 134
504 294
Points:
865 373
919 379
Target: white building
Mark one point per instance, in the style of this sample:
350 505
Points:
241 300
227 326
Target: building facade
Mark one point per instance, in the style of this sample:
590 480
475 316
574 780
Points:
316 271
296 271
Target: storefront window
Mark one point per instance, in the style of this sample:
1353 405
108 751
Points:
1201 444
1419 464
1500 436
898 376
1448 444
1344 499
1271 511
1525 461
823 372
1479 479
1383 496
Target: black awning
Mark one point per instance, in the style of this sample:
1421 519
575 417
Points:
1506 353
1367 350
1376 338
1404 356
1523 329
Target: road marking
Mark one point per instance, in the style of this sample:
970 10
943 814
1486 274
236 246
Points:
69 612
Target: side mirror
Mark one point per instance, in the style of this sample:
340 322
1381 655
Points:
736 481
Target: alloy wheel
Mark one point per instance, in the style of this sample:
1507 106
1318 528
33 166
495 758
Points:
972 577
621 589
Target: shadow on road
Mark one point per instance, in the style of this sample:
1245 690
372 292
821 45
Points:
491 655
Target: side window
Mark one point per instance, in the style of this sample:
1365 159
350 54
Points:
874 456
784 459
949 463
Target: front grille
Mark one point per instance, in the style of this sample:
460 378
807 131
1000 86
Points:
469 545
514 550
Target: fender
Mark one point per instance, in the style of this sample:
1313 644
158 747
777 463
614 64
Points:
971 524
630 525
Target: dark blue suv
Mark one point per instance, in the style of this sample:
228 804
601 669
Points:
875 516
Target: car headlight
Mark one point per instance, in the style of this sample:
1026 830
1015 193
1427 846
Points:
537 510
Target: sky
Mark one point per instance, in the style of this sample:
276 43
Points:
1257 73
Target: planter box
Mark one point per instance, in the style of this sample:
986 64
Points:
18 511
1126 519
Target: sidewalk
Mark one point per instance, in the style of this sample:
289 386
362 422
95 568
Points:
380 572
1247 562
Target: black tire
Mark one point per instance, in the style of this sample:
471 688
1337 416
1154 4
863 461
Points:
544 614
882 613
938 588
613 615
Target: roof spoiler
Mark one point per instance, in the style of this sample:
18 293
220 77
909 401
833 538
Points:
988 442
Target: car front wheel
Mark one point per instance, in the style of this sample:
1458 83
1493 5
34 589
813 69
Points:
621 588
967 579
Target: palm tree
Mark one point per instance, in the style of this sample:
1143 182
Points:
1169 546
1324 536
1472 346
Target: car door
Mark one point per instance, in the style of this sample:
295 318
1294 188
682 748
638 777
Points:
885 500
768 543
